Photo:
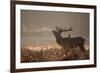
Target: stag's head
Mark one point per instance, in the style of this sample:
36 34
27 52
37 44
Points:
59 30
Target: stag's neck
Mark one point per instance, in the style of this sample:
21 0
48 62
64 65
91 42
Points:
59 39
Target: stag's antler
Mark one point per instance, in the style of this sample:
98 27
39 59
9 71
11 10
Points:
60 29
70 29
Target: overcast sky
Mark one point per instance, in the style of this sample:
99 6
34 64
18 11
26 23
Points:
37 26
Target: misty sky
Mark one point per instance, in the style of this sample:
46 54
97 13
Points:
37 26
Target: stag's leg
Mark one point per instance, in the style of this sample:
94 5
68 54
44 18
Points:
82 48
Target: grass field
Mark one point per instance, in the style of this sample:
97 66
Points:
52 54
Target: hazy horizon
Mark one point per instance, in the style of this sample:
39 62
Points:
37 26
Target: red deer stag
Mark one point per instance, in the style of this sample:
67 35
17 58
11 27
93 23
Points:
68 41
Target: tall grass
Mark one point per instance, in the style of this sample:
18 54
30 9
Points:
52 54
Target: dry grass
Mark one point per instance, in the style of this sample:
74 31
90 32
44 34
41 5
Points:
52 54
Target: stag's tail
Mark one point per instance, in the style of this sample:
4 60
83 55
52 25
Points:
82 48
